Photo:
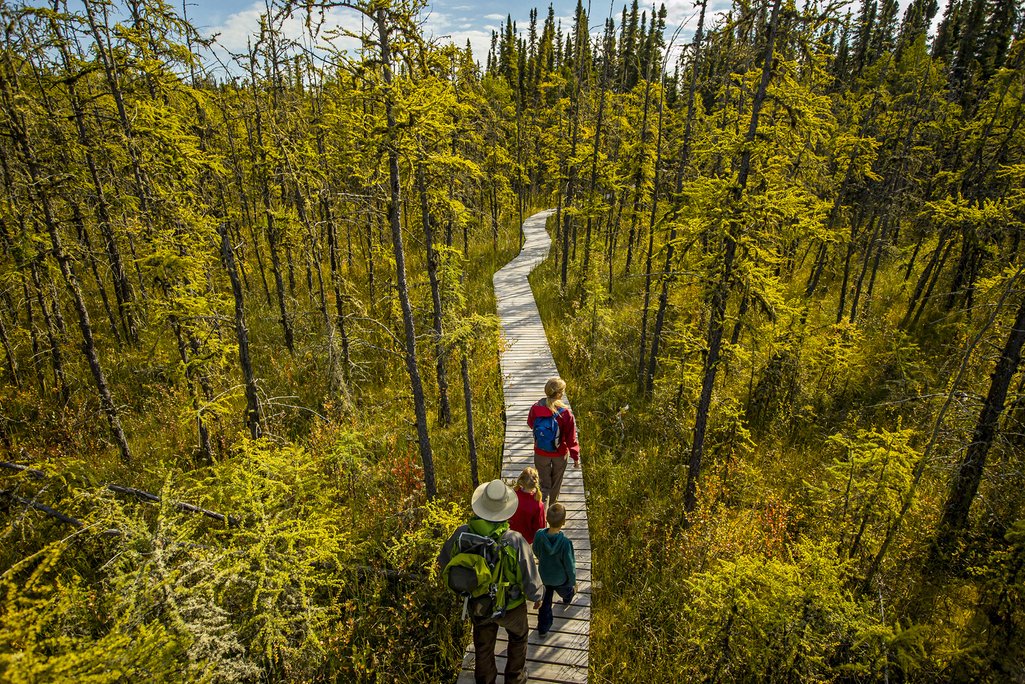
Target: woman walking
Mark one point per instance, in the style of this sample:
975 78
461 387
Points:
555 438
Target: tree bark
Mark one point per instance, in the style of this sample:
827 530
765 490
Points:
19 131
205 450
464 367
53 336
395 221
336 285
931 279
241 333
638 179
594 178
12 363
969 472
663 300
272 234
122 286
842 306
721 292
33 335
87 248
646 381
870 246
441 354
248 208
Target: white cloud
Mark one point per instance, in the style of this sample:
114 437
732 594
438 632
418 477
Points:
457 31
241 29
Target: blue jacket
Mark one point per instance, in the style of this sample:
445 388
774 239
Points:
555 558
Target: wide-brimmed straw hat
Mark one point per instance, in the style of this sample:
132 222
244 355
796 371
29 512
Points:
495 501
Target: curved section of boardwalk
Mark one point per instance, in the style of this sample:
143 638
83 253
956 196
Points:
526 363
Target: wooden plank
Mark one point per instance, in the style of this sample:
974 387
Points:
572 641
526 361
466 677
544 672
556 639
571 612
583 556
565 625
546 651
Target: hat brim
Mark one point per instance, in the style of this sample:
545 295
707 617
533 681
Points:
477 504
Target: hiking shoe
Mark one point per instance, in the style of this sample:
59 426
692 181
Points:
568 601
541 635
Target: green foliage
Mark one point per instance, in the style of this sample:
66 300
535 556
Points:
859 267
862 490
784 620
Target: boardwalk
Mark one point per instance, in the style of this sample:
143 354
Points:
526 363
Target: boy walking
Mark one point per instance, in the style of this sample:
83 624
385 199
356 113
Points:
557 565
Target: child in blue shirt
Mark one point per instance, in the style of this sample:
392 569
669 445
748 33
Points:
554 551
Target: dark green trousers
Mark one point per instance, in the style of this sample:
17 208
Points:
484 636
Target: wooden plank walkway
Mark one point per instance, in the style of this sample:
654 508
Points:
526 364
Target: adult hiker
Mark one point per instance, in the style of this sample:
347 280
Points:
493 568
555 438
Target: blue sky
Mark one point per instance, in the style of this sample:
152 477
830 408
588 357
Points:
460 20
234 21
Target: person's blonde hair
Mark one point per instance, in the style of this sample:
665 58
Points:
529 481
556 515
555 388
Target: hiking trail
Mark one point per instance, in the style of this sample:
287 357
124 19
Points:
526 364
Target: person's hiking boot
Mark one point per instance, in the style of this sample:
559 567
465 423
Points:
567 601
541 635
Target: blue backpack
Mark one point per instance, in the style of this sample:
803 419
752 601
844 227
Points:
546 432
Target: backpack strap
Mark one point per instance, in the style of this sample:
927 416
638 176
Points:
510 580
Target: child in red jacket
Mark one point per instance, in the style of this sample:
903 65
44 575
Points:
555 438
530 512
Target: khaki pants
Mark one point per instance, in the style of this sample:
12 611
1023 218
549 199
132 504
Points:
484 636
550 469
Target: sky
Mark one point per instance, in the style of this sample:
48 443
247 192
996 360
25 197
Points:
234 21
458 21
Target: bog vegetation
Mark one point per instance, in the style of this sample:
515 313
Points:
251 362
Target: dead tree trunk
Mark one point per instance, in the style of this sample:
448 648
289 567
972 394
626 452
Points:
395 221
87 248
645 381
663 301
721 291
433 262
594 175
969 471
638 179
53 336
33 335
259 152
122 286
12 363
205 450
19 132
241 333
464 367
